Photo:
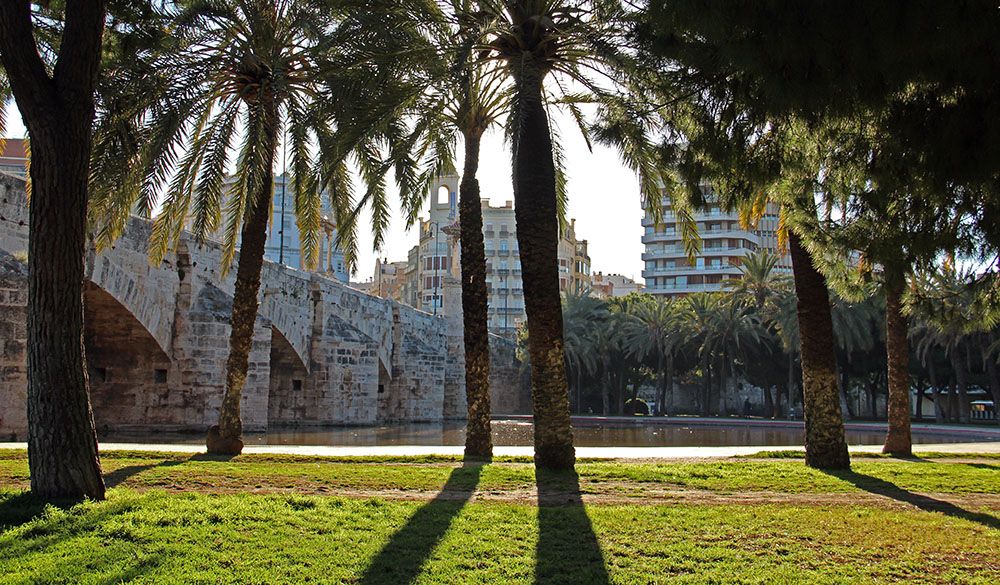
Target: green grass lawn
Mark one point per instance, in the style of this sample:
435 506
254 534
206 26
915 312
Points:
174 518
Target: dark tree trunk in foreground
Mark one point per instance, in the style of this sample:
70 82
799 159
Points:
536 212
226 437
478 442
897 440
825 444
58 112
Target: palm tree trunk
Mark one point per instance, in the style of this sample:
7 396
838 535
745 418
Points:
226 437
921 393
897 440
993 374
535 210
826 446
845 404
58 112
936 393
478 442
953 397
961 380
606 395
669 407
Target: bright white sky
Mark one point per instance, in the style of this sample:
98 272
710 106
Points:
604 199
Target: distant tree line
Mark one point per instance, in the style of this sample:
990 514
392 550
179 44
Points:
706 344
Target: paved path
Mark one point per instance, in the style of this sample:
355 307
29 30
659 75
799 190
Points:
587 452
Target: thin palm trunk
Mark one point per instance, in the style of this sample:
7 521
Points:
936 393
897 440
961 381
58 112
226 437
826 446
535 209
993 374
921 392
478 442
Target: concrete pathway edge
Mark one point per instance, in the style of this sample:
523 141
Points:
526 451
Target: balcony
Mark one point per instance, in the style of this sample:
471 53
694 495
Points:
502 252
489 233
675 289
664 253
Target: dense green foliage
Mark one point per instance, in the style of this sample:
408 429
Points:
707 343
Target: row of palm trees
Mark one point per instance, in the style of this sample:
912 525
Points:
744 333
180 108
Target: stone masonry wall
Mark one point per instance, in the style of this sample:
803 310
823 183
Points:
13 347
157 339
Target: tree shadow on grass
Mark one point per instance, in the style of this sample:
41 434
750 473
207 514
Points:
120 475
888 489
401 559
568 550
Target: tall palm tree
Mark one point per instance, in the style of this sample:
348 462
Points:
542 44
583 316
945 302
759 281
657 329
445 92
233 70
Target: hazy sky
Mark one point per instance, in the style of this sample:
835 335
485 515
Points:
604 199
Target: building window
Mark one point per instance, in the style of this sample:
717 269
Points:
160 376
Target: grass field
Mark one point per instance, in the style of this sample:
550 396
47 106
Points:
283 519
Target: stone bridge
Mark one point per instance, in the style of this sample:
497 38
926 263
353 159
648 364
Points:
157 338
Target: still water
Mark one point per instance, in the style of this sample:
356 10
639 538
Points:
519 432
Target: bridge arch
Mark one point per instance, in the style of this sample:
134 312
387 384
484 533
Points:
130 373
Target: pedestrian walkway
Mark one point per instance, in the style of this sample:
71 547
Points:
526 451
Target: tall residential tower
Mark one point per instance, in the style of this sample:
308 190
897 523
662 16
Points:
668 269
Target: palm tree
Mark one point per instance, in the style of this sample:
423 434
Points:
656 329
234 70
945 304
760 281
442 97
552 41
583 317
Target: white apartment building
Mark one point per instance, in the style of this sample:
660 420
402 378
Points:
668 269
437 254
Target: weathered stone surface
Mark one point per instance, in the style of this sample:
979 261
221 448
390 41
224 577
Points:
157 338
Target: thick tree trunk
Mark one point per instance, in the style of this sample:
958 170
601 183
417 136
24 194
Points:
962 383
478 442
58 112
897 440
226 437
535 210
826 446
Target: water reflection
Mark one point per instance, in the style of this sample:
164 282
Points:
517 433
